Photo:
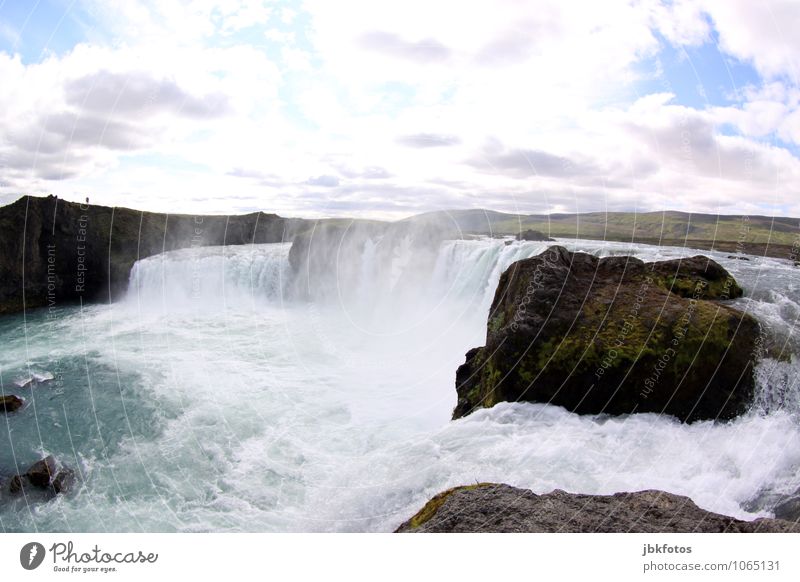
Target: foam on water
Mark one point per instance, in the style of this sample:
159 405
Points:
210 399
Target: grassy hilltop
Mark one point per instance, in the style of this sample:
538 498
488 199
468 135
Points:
759 235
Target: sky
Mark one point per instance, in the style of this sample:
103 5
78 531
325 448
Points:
384 109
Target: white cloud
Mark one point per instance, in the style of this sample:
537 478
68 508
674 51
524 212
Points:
393 108
772 109
764 33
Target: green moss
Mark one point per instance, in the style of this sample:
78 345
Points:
491 384
430 508
600 339
703 343
680 285
688 287
525 375
724 289
497 322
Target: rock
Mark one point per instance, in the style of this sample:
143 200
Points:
41 472
63 481
508 243
11 403
789 509
17 483
45 476
533 235
738 258
490 507
614 335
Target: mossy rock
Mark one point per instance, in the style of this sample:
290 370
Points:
614 335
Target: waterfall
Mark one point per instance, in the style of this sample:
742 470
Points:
375 277
210 277
330 410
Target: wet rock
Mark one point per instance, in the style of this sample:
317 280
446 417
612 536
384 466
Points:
11 403
738 257
789 507
17 483
490 507
614 335
41 472
43 479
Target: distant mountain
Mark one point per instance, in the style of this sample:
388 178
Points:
667 226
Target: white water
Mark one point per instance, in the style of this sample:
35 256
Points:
211 399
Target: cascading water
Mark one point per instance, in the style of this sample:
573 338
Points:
211 277
215 398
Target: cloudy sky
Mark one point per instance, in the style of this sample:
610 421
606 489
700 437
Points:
387 108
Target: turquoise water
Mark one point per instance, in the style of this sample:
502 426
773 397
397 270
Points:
210 400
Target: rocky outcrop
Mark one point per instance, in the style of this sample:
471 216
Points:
489 507
533 235
10 403
614 335
54 252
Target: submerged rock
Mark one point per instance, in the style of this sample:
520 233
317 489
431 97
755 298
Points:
17 483
789 509
11 403
490 507
782 505
614 335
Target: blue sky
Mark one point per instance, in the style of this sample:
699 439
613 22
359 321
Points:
35 29
378 109
700 75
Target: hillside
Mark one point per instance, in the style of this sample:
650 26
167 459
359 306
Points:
759 235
